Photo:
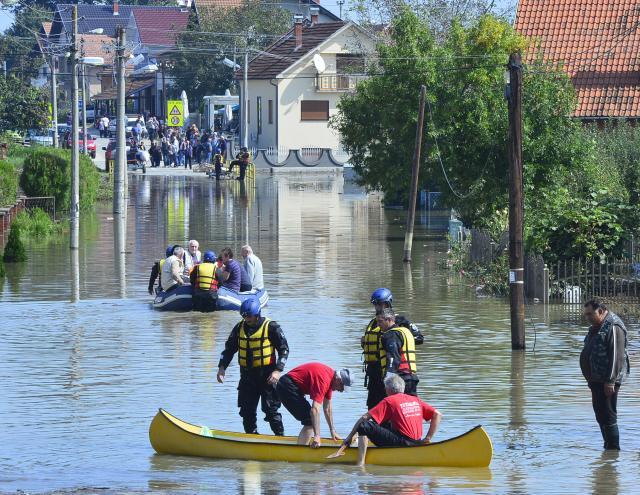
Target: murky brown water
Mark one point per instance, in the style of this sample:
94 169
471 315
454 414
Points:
81 381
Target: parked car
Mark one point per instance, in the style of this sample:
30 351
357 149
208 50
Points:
91 144
110 153
131 121
91 114
42 138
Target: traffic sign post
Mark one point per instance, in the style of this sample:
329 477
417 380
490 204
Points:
175 113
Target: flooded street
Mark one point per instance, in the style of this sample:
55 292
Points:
81 381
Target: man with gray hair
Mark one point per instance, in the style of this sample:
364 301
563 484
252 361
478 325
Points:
253 265
172 270
404 413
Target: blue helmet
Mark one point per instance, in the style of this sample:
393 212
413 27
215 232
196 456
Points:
169 251
381 295
250 307
209 256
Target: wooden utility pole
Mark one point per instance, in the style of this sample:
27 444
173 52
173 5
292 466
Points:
516 203
411 215
120 172
75 152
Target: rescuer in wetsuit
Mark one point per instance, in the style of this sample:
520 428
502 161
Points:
156 270
256 339
381 298
397 351
205 284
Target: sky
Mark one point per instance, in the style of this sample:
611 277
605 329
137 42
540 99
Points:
6 19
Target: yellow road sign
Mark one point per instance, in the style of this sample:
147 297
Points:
175 113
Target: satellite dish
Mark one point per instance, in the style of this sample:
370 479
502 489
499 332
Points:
319 63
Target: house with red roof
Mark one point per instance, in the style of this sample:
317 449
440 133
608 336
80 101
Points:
596 42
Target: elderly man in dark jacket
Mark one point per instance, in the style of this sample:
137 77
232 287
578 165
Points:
604 362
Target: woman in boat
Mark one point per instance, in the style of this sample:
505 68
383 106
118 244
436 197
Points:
256 339
404 415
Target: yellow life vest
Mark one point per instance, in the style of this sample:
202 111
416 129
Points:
407 353
255 350
206 279
162 264
371 350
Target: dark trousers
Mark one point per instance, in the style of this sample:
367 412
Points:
375 387
187 161
606 411
204 300
253 387
243 170
218 170
293 400
383 436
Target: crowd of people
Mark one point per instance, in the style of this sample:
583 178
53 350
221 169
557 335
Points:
395 414
206 272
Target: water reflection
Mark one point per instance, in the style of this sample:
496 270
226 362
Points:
605 474
74 255
119 251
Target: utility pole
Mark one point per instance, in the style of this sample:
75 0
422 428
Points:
245 123
411 216
84 101
75 155
516 203
340 4
120 172
54 101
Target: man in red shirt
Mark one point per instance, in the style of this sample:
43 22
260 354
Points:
318 381
404 412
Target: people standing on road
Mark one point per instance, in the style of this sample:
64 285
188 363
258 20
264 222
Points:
152 127
172 270
381 298
208 149
395 422
253 265
318 381
222 145
205 284
604 363
174 150
188 154
397 350
156 154
218 166
256 339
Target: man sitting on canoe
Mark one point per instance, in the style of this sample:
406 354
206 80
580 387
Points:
318 381
256 340
403 412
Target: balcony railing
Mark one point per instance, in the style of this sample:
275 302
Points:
337 82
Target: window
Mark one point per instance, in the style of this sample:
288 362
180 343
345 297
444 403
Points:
259 113
270 111
349 63
314 110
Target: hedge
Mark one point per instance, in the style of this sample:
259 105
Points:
8 183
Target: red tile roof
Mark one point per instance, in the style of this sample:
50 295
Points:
597 43
282 54
46 27
160 27
97 45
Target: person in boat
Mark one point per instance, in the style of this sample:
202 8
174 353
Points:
192 257
604 362
318 381
256 339
381 299
232 273
171 275
205 284
156 270
397 352
395 422
253 266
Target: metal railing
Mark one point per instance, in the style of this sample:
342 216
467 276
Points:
45 203
338 82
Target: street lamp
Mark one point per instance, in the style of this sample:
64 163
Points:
245 96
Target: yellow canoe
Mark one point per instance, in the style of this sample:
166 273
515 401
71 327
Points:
170 435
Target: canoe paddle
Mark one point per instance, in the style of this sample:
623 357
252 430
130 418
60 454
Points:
338 452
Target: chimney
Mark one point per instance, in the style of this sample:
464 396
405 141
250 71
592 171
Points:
297 29
116 6
315 15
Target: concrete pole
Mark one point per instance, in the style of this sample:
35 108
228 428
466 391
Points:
245 95
516 204
120 172
54 102
411 215
84 110
75 152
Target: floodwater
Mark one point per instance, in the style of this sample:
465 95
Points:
85 362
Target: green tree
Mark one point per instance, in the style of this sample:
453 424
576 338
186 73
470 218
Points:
15 250
196 65
22 106
8 183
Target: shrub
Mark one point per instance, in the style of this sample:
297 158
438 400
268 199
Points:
47 172
36 223
14 250
8 183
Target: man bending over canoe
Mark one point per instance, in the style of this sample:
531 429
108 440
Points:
405 414
318 381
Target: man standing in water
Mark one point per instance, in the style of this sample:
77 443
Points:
256 340
381 299
603 362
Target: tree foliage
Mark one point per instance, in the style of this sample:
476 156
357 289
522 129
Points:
197 67
22 106
8 183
